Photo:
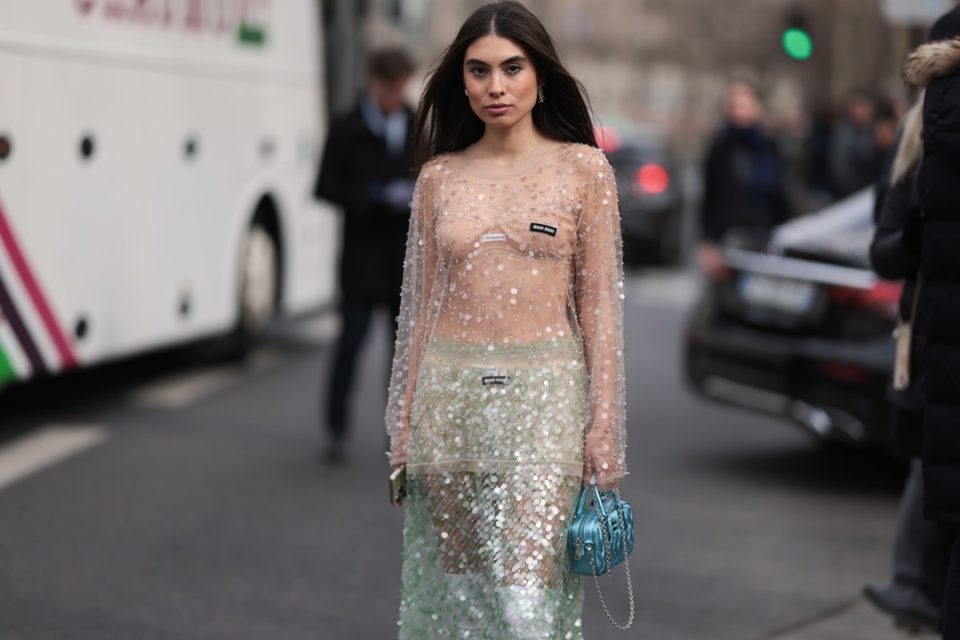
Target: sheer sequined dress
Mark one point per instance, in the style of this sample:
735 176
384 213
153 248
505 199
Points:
508 359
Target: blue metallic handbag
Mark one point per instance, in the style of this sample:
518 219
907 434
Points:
601 538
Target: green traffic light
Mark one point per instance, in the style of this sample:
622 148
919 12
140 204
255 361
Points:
798 44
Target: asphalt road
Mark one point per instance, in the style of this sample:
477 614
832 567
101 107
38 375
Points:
178 496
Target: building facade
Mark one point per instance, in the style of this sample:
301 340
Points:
664 63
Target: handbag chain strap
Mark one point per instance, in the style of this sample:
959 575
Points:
607 555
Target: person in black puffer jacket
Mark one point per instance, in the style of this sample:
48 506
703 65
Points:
936 66
913 594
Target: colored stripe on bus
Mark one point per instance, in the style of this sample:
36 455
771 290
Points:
36 295
6 369
12 352
20 330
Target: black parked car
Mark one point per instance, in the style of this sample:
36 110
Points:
799 326
651 206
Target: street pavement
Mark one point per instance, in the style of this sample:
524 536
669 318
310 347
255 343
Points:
180 496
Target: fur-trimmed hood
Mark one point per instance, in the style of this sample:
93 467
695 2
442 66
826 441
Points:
932 60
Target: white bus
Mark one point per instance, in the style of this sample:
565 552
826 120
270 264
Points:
156 168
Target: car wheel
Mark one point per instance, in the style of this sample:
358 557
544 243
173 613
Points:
669 252
259 281
631 253
670 248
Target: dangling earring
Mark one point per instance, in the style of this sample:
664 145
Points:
540 97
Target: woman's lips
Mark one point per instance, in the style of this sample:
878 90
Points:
497 109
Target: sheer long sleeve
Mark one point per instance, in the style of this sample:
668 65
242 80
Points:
418 270
599 303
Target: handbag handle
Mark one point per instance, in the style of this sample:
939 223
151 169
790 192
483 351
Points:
595 494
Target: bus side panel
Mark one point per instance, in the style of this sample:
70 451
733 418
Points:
130 186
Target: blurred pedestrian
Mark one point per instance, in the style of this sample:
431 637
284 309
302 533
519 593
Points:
935 66
884 138
744 181
853 148
367 169
508 383
912 597
817 165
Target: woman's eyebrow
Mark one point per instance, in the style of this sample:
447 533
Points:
513 60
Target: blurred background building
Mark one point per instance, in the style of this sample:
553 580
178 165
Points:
664 62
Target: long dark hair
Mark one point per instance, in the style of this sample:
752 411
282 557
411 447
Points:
445 121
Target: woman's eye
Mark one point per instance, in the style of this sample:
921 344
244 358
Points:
513 70
477 72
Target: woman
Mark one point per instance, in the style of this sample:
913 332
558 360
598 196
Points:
507 387
913 595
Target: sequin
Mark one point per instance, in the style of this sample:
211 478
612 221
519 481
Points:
492 417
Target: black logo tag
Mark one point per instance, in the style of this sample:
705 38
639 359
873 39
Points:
495 380
543 228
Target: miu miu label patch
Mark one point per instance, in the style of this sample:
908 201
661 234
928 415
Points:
493 237
495 380
539 227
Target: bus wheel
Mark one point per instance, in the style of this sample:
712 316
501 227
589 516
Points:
260 279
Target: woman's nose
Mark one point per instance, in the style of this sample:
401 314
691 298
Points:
496 85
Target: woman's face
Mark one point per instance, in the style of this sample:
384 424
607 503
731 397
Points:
500 80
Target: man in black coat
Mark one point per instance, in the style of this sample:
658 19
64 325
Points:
936 66
743 175
367 169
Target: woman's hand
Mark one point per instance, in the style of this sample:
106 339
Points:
398 447
599 459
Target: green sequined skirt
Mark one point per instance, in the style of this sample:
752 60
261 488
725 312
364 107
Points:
495 464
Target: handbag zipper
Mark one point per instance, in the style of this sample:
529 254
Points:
579 553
